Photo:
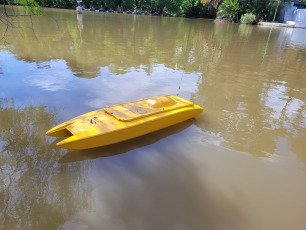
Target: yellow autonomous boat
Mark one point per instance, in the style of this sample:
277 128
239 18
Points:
124 121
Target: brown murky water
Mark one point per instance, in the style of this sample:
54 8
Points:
240 165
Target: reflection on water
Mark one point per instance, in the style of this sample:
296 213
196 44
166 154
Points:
253 104
178 187
240 165
124 147
155 192
31 178
80 24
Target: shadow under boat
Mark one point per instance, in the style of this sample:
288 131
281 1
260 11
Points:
125 146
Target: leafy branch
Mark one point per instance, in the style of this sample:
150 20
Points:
31 8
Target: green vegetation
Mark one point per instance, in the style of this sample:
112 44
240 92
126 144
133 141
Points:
232 10
248 18
189 8
31 6
229 10
198 9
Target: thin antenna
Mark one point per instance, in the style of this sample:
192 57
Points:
178 91
270 31
263 57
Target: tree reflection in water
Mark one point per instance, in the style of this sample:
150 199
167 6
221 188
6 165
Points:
33 185
257 107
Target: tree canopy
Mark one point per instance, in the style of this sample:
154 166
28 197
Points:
193 8
232 10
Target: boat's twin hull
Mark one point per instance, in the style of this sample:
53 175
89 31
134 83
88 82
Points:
100 128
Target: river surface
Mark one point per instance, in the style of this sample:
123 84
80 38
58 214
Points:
240 165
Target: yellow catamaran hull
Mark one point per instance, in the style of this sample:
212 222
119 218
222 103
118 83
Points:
121 122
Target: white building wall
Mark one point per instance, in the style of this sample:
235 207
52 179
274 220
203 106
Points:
292 15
